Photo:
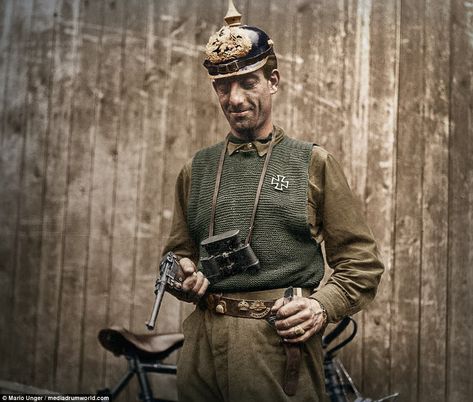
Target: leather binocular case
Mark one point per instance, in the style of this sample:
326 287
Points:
227 255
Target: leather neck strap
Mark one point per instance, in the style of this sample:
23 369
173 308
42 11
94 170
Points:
258 190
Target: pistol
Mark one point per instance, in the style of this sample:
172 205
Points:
169 278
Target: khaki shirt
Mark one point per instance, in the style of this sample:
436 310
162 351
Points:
335 218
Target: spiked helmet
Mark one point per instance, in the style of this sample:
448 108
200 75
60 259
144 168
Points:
236 49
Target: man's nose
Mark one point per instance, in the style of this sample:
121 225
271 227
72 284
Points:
236 95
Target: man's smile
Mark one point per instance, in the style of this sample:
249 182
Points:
241 113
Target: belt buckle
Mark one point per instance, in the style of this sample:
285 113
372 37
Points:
258 309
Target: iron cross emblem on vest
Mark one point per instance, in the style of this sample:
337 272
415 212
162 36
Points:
279 183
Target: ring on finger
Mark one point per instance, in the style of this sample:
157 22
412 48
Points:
298 330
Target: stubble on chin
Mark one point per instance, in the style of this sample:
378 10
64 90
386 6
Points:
244 128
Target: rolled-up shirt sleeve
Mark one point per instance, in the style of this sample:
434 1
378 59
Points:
179 240
337 218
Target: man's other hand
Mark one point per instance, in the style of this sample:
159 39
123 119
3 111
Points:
299 319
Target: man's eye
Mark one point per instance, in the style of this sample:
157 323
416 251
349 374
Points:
222 88
248 84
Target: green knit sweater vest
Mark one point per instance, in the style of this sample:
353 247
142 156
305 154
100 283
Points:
281 237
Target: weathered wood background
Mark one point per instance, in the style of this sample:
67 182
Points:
103 101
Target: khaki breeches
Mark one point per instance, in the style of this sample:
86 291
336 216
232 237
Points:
229 359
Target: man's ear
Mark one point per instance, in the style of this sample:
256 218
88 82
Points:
273 81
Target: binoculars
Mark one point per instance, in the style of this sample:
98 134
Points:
227 256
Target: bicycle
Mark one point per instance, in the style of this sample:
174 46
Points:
144 353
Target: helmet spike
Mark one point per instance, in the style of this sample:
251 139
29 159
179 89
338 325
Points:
233 17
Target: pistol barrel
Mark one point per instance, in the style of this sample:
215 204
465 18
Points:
154 314
157 304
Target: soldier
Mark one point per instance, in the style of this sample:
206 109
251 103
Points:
245 341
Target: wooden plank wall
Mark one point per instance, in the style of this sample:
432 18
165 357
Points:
102 102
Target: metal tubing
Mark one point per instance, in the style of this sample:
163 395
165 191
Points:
146 392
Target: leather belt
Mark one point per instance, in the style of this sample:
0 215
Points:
243 308
255 304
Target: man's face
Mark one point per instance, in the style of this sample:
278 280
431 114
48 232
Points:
246 102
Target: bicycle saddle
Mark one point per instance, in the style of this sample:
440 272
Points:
154 347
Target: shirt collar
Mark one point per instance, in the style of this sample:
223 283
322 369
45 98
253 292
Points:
236 145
